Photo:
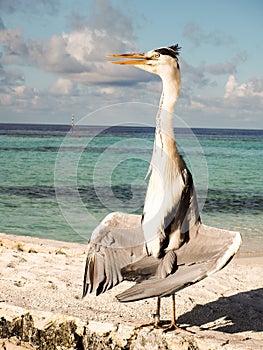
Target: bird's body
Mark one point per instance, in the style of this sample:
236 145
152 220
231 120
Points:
168 248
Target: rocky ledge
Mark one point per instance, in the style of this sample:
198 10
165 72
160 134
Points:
42 330
24 329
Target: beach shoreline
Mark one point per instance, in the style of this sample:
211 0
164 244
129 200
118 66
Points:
44 278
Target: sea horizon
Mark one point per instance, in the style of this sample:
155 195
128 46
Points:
127 124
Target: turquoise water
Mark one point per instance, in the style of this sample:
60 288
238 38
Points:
60 187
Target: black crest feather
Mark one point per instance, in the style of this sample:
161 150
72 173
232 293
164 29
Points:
172 51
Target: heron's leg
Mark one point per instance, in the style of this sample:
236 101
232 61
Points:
156 316
173 321
173 325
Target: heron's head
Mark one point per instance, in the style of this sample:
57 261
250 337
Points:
162 61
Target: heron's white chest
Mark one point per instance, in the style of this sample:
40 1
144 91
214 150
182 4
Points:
163 194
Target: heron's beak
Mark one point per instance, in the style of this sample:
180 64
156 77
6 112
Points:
136 58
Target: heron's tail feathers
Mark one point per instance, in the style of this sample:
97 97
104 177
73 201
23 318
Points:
140 270
149 266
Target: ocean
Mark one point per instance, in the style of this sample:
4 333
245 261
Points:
59 184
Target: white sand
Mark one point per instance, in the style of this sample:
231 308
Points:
226 308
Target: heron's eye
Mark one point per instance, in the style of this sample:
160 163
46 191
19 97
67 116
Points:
156 55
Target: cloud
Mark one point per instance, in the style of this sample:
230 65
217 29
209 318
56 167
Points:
194 33
194 76
2 25
31 6
239 105
10 77
253 88
105 16
81 79
19 97
228 67
79 44
76 58
79 55
108 90
54 55
76 21
232 89
205 75
15 49
63 87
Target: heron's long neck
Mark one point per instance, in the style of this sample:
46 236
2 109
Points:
164 135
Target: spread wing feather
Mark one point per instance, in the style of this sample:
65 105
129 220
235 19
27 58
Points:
115 243
208 250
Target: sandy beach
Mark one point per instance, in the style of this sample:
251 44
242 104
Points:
43 278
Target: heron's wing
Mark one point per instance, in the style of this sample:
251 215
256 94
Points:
149 266
116 242
208 250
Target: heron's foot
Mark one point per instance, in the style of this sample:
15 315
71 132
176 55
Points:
156 323
160 324
166 326
149 324
174 327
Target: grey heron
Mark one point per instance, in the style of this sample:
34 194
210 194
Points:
167 248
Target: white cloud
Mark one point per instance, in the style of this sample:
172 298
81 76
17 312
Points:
197 105
6 99
233 89
108 90
79 45
78 60
80 54
19 97
62 87
20 90
230 86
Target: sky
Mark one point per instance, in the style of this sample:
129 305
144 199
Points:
53 60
